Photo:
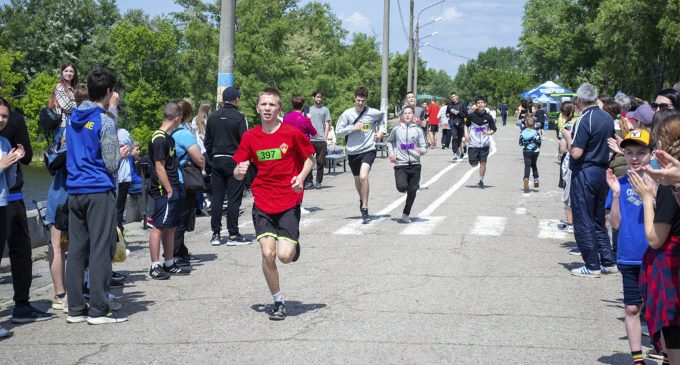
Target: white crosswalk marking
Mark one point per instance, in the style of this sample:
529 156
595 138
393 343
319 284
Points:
424 225
521 211
547 228
489 226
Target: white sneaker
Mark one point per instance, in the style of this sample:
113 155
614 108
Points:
108 318
575 252
304 211
76 319
609 269
569 228
585 272
4 333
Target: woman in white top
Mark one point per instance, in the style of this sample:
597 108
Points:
198 123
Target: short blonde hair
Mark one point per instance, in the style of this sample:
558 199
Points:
269 91
530 120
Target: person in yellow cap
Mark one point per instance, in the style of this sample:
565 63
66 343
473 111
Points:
626 217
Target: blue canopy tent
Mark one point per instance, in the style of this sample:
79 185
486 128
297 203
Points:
548 88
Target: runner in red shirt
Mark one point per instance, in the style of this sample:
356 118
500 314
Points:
283 157
433 123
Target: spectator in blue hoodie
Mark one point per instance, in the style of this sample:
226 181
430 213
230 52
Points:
8 169
91 162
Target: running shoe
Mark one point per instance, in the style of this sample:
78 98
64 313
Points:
59 303
158 273
480 184
278 312
309 186
404 219
181 262
364 215
570 229
609 269
585 272
176 270
455 158
526 185
4 333
297 252
106 319
304 211
652 354
317 185
76 319
216 239
536 184
28 314
237 240
575 252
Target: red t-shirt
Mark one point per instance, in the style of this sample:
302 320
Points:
278 157
433 110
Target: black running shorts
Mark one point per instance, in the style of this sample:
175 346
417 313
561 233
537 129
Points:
477 155
281 226
433 128
355 161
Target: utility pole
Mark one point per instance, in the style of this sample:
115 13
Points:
225 66
415 61
385 59
409 82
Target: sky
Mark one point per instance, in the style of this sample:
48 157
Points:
467 27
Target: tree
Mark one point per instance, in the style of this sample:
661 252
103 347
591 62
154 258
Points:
9 79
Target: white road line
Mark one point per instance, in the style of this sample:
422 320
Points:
306 222
547 228
489 226
423 225
521 211
357 226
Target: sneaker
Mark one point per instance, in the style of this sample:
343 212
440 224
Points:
158 273
364 215
28 314
297 252
585 272
480 184
76 319
536 184
609 269
216 240
4 333
106 319
652 354
181 262
278 313
462 155
404 219
455 158
317 185
189 257
526 185
118 276
304 211
575 252
149 222
176 270
570 229
237 240
309 186
59 303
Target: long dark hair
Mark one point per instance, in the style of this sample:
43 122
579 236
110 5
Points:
672 95
4 102
74 82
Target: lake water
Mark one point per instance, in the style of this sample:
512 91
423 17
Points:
36 183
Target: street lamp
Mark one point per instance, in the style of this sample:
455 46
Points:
415 59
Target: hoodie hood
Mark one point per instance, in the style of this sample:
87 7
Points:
84 113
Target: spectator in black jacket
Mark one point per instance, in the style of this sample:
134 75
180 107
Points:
223 133
456 111
18 239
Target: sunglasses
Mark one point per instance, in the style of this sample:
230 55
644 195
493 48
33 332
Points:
661 106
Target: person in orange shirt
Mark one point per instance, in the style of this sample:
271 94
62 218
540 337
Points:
433 123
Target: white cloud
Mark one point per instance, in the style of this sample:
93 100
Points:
357 23
451 13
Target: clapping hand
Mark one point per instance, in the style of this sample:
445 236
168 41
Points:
669 171
614 145
613 182
10 159
643 187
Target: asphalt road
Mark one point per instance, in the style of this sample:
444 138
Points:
481 277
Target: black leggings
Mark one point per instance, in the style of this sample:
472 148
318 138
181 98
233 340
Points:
407 179
457 134
530 159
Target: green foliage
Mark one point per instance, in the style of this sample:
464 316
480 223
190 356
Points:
142 135
9 79
38 93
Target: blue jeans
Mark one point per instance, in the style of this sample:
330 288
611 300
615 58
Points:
588 195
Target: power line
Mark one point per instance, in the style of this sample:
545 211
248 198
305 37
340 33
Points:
401 17
480 65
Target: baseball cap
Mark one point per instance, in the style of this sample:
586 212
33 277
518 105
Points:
639 136
231 93
644 113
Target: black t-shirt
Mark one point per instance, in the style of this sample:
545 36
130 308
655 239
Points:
540 116
667 209
162 148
